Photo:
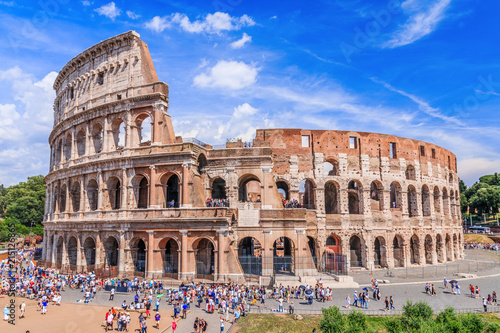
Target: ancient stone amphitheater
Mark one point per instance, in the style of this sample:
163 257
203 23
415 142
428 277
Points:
126 196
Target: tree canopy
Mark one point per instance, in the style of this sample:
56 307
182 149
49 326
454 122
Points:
483 197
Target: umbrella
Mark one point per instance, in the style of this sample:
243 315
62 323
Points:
454 281
365 288
309 292
302 287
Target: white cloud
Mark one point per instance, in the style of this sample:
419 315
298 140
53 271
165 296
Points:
8 3
110 10
215 23
273 17
424 17
241 42
132 15
86 3
158 24
228 74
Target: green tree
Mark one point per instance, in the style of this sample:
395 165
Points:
333 321
486 199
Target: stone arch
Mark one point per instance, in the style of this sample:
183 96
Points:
440 248
219 188
75 196
67 147
205 256
376 195
332 205
333 258
93 194
140 182
355 197
111 246
380 252
62 199
80 142
138 251
283 189
249 189
410 173
398 251
311 242
171 189
97 138
426 201
59 249
396 195
283 256
89 251
72 249
412 201
250 255
144 127
119 133
437 201
202 163
429 249
169 249
356 245
331 168
114 192
414 249
307 193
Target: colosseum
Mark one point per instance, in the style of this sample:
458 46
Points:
126 196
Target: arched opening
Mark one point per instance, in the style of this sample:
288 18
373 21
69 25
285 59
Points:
334 260
414 250
118 130
138 248
142 192
410 173
450 178
376 196
72 249
89 252
355 251
306 194
437 204
172 192
446 202
412 201
426 201
202 163
92 194
428 249
312 249
331 168
110 252
249 189
205 258
58 153
331 198
59 251
250 256
380 256
114 193
283 256
75 196
396 196
62 199
354 193
440 248
67 148
170 253
97 138
448 245
283 190
219 189
143 125
398 251
80 142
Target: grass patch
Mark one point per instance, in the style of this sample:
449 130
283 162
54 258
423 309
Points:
481 238
277 323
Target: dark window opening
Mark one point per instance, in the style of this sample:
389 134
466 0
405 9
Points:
393 150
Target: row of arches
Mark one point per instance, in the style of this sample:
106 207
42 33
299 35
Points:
70 145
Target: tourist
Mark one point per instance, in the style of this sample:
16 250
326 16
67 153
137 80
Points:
445 283
280 306
391 300
6 312
22 307
44 306
494 298
144 328
221 324
386 303
348 301
485 306
196 325
157 319
112 294
355 299
290 308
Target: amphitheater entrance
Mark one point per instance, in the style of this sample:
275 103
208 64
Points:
250 256
138 248
59 251
249 189
205 259
89 252
428 249
312 249
380 254
398 251
283 251
170 256
356 252
219 189
440 248
72 250
111 252
414 250
335 261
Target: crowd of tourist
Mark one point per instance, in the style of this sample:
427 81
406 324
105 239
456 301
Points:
482 246
291 203
217 202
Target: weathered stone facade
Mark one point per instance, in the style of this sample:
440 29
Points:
125 193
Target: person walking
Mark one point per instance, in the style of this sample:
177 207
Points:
485 305
391 301
112 294
157 320
6 313
22 307
355 298
221 324
445 283
196 325
290 308
386 303
174 325
348 301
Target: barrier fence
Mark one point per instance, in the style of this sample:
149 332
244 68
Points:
468 267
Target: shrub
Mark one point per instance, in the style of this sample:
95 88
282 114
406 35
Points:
333 321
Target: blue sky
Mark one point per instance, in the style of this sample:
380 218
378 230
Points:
424 69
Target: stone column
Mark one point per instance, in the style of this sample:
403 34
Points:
68 197
88 139
98 251
220 258
121 254
78 254
100 191
153 201
150 257
74 153
82 194
107 136
54 248
185 181
64 254
422 258
45 244
184 254
124 203
369 250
